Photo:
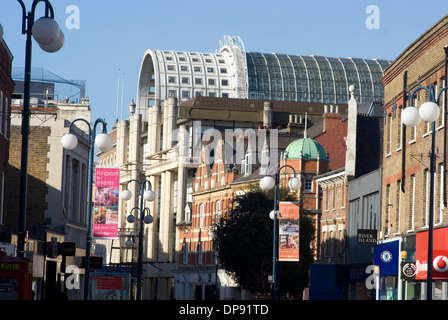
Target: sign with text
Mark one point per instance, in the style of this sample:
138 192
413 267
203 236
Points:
110 286
288 231
439 261
368 236
105 210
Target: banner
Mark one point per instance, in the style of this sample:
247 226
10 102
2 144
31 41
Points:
387 257
288 232
105 210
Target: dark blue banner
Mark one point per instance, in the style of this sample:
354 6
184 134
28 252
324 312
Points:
387 256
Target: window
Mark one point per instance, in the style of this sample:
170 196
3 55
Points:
223 70
186 94
201 216
185 80
308 185
210 69
184 68
171 79
198 81
225 82
412 218
170 67
200 253
225 95
218 210
185 252
5 118
172 93
211 82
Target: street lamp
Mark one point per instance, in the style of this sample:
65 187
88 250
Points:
50 38
429 111
147 195
69 141
267 183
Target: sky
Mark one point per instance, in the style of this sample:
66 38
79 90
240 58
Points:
105 40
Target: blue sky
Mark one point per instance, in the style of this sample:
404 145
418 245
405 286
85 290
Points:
114 35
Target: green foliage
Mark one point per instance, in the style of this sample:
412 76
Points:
245 241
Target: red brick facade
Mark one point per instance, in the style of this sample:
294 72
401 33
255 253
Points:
6 90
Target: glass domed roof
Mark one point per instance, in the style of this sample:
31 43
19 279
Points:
305 148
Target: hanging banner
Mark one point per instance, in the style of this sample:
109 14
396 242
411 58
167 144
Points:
105 210
288 232
386 256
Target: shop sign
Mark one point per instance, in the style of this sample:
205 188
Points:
440 254
9 266
367 236
408 270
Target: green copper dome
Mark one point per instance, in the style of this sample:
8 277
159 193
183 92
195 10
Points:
306 148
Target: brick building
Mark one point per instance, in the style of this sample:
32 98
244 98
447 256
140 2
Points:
406 174
6 90
57 184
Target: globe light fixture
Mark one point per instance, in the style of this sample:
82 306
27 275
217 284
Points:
267 183
149 195
148 219
130 218
69 141
55 45
294 184
45 31
104 142
429 111
410 116
126 195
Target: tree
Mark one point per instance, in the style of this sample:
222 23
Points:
244 242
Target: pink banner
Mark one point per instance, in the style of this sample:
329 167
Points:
288 231
105 210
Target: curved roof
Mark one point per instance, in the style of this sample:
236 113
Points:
305 148
233 72
313 78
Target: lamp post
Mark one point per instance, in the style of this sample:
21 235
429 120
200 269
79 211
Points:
50 38
104 143
267 183
429 111
147 195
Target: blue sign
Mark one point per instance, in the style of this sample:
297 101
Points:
387 257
